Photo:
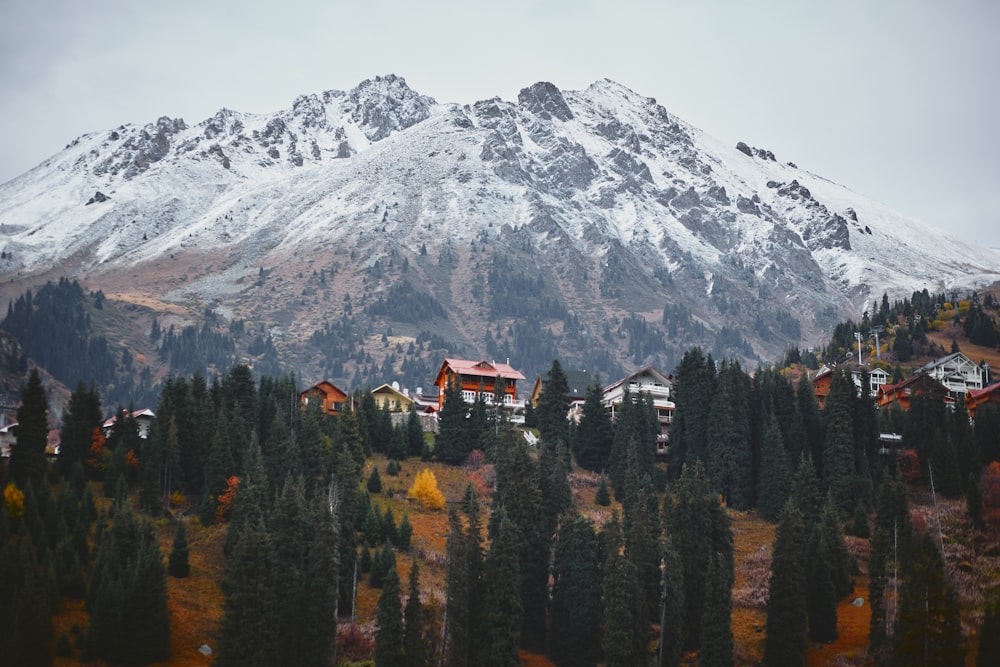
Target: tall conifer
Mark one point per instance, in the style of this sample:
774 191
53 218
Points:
389 625
786 605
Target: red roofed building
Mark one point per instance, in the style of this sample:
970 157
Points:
479 379
976 397
331 397
900 394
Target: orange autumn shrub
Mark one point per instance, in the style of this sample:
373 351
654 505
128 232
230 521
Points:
225 505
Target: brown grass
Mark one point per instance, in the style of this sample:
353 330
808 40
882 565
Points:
196 603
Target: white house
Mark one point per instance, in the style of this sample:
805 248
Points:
650 381
956 372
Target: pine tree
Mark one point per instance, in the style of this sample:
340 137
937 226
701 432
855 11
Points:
249 630
374 481
129 622
838 447
988 654
774 480
414 646
929 631
459 579
502 606
414 432
551 409
389 625
27 456
451 444
821 597
729 459
623 639
672 614
25 613
694 387
554 480
716 623
518 492
603 496
83 415
404 534
698 527
786 606
889 555
178 565
592 444
576 612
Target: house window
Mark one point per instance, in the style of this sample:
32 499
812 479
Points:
508 399
468 396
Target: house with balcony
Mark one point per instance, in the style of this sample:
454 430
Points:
824 376
649 381
956 372
484 380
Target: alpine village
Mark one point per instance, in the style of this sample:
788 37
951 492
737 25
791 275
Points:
841 507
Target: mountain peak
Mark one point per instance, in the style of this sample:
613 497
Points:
386 104
566 210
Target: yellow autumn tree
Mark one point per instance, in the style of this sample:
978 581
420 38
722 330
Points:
425 489
13 500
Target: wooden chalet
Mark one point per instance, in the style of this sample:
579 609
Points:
977 397
479 379
821 381
389 397
900 394
330 396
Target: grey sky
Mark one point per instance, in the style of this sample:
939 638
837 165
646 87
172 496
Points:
896 100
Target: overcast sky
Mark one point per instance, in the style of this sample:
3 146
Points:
896 100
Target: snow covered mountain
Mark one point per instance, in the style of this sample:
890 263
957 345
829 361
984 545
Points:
588 214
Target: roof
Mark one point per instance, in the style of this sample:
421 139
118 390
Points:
321 385
480 369
646 370
145 412
887 389
388 388
954 356
974 394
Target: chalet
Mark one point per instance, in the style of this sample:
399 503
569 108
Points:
144 419
650 381
480 380
821 381
389 397
330 396
977 397
956 372
900 394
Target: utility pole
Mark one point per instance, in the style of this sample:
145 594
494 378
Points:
876 330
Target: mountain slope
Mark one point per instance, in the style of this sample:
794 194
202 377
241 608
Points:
589 224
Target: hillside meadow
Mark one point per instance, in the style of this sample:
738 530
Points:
196 603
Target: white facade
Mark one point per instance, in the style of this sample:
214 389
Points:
956 372
646 381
